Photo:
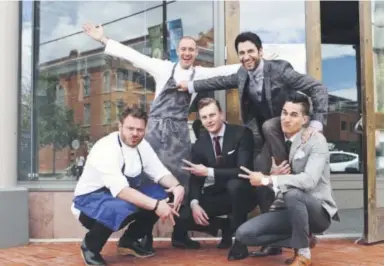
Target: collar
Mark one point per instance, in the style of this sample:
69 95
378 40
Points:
258 72
221 132
293 137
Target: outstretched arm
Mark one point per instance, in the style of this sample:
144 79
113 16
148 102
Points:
116 49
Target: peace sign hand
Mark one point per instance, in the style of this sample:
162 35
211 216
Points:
255 178
195 169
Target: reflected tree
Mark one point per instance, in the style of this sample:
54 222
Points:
55 122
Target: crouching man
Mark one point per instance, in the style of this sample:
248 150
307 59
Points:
110 193
307 195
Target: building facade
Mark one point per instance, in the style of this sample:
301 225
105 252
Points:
61 93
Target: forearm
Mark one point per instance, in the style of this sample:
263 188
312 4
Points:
137 198
168 181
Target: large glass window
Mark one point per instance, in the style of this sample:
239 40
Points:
72 93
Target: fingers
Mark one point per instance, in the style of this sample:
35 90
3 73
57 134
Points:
244 176
273 161
205 215
283 164
244 169
188 162
187 168
171 217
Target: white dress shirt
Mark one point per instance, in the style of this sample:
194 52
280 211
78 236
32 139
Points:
104 163
161 69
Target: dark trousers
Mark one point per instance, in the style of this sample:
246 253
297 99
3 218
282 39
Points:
273 146
236 200
141 223
290 227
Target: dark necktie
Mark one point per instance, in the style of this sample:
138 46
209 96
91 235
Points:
288 146
217 146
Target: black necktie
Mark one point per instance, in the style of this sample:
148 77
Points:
288 146
217 146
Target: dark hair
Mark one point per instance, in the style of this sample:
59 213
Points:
206 101
133 111
302 99
248 36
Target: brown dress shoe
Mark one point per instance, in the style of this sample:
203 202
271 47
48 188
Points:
301 261
312 243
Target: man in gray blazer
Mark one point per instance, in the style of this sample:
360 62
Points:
263 86
307 193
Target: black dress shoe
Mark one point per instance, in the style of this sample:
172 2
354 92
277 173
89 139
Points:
226 242
89 257
134 248
238 251
147 242
185 243
266 251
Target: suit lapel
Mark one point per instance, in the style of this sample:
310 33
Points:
227 142
295 145
210 149
267 85
242 82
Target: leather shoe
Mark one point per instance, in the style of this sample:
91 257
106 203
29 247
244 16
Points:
185 243
301 261
226 242
238 251
89 257
266 251
134 248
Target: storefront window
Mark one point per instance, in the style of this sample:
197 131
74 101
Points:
378 53
72 93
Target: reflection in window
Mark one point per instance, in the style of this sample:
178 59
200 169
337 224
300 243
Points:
73 59
107 112
86 85
106 81
87 114
378 50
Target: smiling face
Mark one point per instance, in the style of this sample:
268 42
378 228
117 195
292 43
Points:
212 118
187 52
249 55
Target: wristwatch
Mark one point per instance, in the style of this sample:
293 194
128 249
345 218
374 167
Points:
265 181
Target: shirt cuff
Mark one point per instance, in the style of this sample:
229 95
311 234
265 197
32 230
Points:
316 124
210 172
274 185
193 202
190 86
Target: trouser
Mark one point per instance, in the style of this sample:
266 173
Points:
141 223
236 200
303 214
273 146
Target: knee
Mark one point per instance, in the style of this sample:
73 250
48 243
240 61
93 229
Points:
271 126
242 234
235 186
292 196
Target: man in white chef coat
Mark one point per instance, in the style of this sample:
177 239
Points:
110 193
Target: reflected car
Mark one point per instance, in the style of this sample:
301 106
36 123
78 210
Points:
341 161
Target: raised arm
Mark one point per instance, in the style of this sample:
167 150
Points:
211 84
314 89
116 49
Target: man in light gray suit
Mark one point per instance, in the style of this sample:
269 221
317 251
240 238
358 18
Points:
307 193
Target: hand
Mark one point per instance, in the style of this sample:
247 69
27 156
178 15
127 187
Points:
255 178
182 86
199 215
309 131
196 169
95 32
165 211
282 169
178 192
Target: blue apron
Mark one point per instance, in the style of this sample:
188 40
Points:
110 211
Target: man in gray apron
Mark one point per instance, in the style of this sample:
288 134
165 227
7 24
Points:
167 130
111 193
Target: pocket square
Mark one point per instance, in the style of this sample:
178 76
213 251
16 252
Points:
299 154
231 152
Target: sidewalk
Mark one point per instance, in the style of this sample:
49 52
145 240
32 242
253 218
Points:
327 252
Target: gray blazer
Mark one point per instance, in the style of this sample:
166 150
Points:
311 171
279 79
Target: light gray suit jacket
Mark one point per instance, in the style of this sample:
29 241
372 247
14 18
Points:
311 171
279 79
